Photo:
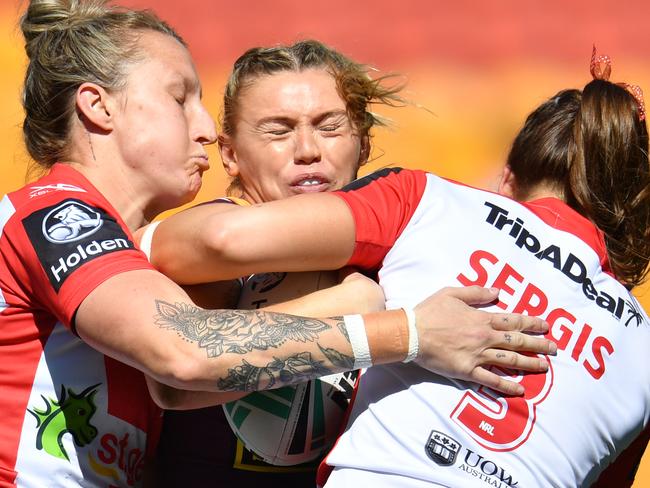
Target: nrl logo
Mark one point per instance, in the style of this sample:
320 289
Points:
441 448
70 221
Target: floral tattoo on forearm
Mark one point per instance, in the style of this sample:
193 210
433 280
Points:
242 331
235 331
297 368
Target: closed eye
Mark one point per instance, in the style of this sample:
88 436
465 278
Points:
332 123
275 128
278 132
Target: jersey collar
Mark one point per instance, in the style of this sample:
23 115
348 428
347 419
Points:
559 215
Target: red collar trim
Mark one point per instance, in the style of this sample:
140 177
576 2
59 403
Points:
559 215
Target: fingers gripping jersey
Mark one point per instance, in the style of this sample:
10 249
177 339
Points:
70 415
410 427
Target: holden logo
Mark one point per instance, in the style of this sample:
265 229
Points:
70 222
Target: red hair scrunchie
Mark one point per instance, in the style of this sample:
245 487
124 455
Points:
601 69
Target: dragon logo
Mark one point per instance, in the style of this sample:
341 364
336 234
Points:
69 222
72 413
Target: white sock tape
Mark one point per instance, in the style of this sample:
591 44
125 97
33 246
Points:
414 343
358 340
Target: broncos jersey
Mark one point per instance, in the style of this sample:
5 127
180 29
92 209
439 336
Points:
70 415
412 428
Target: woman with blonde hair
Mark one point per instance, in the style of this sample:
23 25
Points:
296 119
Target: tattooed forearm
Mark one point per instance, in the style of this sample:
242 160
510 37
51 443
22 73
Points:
337 358
341 325
235 331
298 368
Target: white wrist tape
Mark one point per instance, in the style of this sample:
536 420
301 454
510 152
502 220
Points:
414 343
358 340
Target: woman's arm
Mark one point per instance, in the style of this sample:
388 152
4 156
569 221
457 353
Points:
317 232
215 242
158 330
169 398
356 293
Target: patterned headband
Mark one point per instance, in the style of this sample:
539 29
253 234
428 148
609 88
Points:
601 68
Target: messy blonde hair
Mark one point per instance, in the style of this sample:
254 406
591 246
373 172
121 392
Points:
354 84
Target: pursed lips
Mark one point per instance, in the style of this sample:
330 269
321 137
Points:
202 161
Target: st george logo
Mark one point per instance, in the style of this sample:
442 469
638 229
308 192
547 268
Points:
441 448
70 221
71 413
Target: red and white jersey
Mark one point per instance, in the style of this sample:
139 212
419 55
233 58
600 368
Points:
410 427
70 415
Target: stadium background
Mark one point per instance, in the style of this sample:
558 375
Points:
474 70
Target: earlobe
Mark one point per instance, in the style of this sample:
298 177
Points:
364 153
93 105
508 183
228 156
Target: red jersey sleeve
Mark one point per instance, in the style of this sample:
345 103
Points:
382 204
62 241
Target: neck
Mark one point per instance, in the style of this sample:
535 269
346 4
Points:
102 164
541 191
251 198
115 186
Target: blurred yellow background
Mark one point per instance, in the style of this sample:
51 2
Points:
474 70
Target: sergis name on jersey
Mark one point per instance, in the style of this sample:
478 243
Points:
570 266
70 234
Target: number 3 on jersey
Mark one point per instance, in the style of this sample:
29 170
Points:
503 423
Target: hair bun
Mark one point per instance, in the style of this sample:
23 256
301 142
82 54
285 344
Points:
48 16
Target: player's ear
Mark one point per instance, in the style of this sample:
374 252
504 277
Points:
95 105
228 155
508 182
364 153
